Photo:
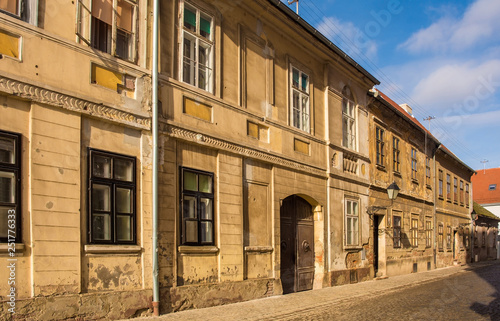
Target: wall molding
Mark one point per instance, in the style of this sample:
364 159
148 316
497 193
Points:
49 97
194 137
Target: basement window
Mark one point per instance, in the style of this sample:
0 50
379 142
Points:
492 187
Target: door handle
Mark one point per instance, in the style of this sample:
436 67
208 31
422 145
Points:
305 246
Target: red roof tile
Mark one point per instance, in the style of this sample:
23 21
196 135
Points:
481 183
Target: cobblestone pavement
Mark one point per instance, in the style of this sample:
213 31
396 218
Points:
456 293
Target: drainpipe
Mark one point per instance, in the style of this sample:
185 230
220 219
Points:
154 126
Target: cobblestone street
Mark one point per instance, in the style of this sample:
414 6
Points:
456 293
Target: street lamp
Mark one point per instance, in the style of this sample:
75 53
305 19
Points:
392 193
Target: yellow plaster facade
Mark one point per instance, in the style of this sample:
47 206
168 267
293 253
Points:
264 113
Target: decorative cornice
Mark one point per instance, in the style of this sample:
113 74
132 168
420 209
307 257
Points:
191 136
53 98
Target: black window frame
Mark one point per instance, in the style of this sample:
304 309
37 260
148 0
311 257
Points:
396 164
455 190
414 164
448 187
16 169
113 184
440 236
396 231
440 184
198 195
380 146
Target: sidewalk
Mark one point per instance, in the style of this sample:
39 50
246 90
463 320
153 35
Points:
274 307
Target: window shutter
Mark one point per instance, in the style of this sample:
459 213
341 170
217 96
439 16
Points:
103 10
124 15
83 22
189 17
205 26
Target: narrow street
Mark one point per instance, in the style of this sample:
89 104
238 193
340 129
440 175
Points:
456 293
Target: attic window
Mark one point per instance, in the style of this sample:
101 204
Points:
492 187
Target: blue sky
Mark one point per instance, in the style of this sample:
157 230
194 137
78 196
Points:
440 57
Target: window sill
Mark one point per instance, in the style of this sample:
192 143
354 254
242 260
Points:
441 198
187 249
4 248
398 174
428 186
381 168
353 248
259 249
414 181
112 249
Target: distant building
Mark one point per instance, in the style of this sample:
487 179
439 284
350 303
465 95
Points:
487 189
485 245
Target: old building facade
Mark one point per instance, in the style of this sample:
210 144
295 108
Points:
75 145
273 157
428 225
271 116
453 209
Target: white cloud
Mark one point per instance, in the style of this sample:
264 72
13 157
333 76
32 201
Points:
348 37
467 84
479 24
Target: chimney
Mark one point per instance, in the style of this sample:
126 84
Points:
408 109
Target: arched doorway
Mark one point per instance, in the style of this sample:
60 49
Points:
297 244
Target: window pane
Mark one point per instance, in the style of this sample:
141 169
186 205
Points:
190 183
123 44
206 209
124 200
206 232
4 212
305 82
7 148
7 187
191 231
123 170
101 166
101 197
205 183
348 208
305 104
189 19
295 78
124 228
10 6
189 207
101 227
189 64
205 27
355 208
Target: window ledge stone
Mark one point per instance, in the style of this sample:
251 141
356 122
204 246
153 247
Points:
4 247
112 249
186 249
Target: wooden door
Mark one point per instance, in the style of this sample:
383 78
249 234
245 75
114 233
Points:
297 245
